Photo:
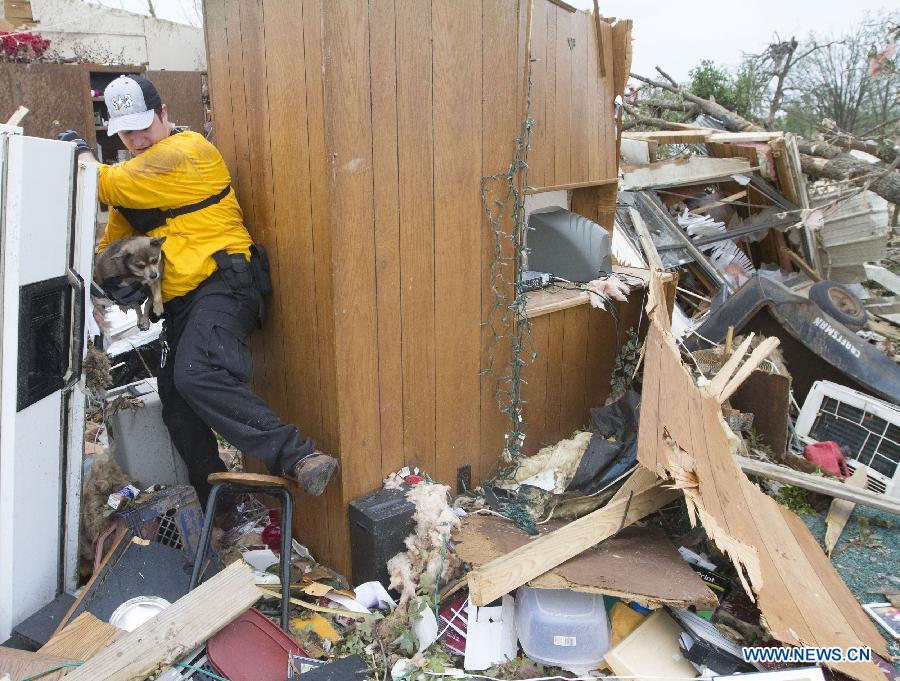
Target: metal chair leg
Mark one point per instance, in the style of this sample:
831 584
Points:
205 536
287 512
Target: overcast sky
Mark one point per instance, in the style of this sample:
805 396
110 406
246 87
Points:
675 35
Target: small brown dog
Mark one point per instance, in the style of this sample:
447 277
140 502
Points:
134 259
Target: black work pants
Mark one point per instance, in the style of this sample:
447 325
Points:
204 385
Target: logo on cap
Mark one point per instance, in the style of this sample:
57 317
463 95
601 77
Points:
121 102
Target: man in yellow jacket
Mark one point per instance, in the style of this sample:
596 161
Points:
178 187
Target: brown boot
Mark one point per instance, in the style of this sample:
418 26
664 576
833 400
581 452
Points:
315 471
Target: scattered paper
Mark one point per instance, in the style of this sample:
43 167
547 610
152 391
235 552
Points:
347 603
260 559
374 595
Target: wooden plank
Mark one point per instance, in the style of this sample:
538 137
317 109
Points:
175 631
336 549
349 141
763 350
562 99
553 403
821 485
579 121
693 136
457 219
570 186
720 380
298 325
840 510
535 390
383 47
501 122
23 664
269 344
83 638
643 234
676 172
573 415
219 79
594 87
540 156
547 301
597 203
417 236
517 567
601 57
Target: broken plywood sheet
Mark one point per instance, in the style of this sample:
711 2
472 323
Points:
639 563
681 171
802 599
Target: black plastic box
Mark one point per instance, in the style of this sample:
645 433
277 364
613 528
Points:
379 524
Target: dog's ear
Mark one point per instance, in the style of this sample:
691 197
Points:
158 241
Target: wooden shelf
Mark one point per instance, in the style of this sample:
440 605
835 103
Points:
573 185
556 298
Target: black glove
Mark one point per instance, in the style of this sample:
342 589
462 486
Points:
80 144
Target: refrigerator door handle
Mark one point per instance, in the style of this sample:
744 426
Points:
76 352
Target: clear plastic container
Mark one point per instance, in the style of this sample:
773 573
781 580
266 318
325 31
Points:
562 628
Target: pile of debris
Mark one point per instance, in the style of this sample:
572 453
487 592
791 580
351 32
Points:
638 548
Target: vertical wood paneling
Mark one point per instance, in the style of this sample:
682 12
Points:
555 344
501 81
609 152
262 224
417 238
579 118
594 103
574 354
349 140
329 510
562 109
214 22
456 25
383 48
535 390
287 111
540 156
367 192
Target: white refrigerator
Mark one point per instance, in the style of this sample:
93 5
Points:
48 210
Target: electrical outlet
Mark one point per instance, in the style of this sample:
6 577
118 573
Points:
463 479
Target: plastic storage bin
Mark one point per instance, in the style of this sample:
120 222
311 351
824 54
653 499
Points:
562 628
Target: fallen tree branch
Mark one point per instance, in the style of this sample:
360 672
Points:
732 121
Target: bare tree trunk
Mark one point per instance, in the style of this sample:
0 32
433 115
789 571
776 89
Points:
780 77
885 181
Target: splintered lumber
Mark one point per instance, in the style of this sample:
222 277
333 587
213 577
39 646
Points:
22 664
643 235
720 380
681 435
675 172
816 483
175 631
637 564
502 575
759 354
840 510
82 639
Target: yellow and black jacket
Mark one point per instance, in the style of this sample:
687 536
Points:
181 170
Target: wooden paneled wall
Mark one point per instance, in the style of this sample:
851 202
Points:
358 133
